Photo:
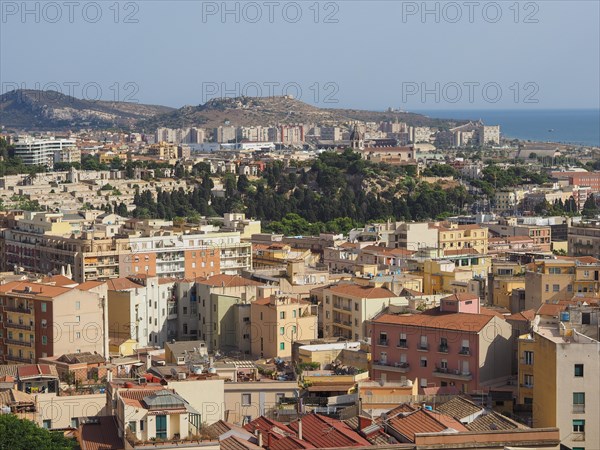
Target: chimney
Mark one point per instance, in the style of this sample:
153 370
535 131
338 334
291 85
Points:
300 429
259 438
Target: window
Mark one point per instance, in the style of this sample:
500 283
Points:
43 306
281 331
403 343
77 335
47 424
356 306
77 305
579 426
282 314
528 380
279 397
282 346
294 313
74 422
555 288
132 426
528 358
383 339
578 370
547 288
585 318
578 402
423 343
161 426
77 319
185 310
423 361
44 340
464 349
246 399
141 425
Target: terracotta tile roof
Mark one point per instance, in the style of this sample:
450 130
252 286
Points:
493 421
402 408
13 396
90 285
440 390
423 421
449 321
122 284
266 425
289 443
236 443
9 370
221 427
387 251
523 316
492 312
59 280
36 289
460 297
100 436
324 432
167 280
459 408
36 370
359 291
551 309
228 281
134 397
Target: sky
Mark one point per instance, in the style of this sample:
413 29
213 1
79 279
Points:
358 54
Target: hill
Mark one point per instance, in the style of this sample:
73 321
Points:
45 110
50 110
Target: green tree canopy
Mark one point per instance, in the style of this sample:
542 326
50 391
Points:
22 434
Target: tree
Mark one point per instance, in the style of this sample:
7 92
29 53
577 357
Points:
590 208
22 434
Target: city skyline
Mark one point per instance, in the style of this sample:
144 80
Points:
459 58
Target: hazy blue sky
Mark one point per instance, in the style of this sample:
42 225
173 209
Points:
378 54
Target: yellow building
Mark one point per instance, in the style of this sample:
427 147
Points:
277 321
164 150
504 277
558 375
552 280
453 237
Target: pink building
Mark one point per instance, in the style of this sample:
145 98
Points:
453 345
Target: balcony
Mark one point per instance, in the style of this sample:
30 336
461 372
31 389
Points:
578 409
443 349
423 346
400 367
402 344
442 372
465 351
19 326
527 385
340 306
17 309
382 342
19 359
578 436
18 342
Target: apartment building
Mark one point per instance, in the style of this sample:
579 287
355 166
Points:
559 370
142 308
223 305
551 280
540 234
414 236
584 239
453 345
40 320
504 277
279 320
453 237
44 152
508 200
349 307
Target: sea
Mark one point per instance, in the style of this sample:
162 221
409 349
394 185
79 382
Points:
572 126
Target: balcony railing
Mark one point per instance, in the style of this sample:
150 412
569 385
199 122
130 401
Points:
401 367
578 409
17 309
464 351
443 372
383 342
443 349
18 342
423 346
19 359
403 344
19 326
